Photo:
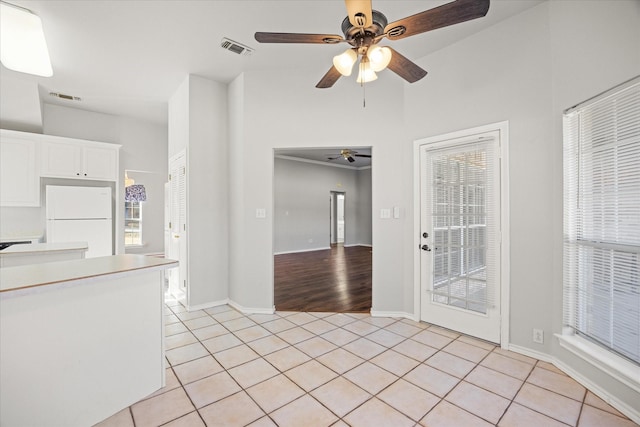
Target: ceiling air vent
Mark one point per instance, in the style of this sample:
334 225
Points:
63 96
235 47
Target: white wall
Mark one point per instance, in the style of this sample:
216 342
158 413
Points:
198 124
504 73
363 207
527 70
284 109
301 205
144 148
595 46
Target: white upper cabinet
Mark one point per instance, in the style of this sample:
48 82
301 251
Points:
83 160
25 157
19 172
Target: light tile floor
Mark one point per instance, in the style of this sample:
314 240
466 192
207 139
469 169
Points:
326 369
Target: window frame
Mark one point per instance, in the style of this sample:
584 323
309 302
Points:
127 219
597 354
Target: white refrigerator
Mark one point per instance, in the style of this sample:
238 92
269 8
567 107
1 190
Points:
80 214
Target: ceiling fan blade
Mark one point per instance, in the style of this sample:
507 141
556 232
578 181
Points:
329 79
438 17
359 12
405 68
362 155
351 159
297 38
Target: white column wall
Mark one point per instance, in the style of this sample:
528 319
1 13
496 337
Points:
284 109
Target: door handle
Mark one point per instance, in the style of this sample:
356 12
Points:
425 248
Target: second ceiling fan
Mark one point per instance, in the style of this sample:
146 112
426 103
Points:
364 28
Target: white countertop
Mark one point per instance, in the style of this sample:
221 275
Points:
28 248
35 277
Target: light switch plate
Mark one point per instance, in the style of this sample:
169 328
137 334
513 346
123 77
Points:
396 212
385 213
261 213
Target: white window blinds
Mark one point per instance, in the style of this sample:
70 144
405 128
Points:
602 220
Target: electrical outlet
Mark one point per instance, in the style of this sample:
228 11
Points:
538 336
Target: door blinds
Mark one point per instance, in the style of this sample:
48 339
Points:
465 219
602 220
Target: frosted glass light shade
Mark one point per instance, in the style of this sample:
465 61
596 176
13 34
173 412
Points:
344 62
379 57
366 73
22 44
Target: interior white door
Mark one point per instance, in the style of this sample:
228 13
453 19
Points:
460 235
178 226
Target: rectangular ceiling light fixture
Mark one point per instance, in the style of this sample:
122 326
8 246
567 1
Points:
22 44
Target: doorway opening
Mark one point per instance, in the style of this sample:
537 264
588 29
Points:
322 260
337 217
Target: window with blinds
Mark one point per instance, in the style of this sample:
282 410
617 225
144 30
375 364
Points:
602 220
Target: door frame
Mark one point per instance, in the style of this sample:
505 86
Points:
333 217
503 160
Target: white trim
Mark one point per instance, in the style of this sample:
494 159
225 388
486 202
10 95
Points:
316 162
629 411
324 248
364 245
528 352
206 305
632 412
613 365
503 129
394 314
251 310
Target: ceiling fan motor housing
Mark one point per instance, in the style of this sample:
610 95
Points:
358 38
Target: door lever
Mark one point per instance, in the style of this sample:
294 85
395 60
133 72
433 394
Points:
425 248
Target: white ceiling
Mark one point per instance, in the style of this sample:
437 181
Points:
329 156
128 57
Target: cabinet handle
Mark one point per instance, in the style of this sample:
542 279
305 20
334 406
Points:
85 174
78 173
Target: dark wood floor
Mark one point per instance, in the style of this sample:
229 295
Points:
337 280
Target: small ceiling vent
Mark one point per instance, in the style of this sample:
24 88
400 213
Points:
67 97
235 47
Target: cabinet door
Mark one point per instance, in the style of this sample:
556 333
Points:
19 178
62 160
100 163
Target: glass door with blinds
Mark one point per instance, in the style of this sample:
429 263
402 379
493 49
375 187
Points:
460 245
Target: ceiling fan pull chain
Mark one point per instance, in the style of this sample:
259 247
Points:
364 92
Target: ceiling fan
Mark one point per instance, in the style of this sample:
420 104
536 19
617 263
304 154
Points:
364 28
348 155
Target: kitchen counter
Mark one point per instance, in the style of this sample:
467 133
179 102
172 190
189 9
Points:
25 248
80 340
33 278
36 253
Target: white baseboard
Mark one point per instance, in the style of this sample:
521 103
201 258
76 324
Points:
207 305
529 352
302 250
358 244
394 314
250 310
632 412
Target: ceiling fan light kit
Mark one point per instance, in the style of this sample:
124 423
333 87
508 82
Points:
366 73
364 28
379 57
344 62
